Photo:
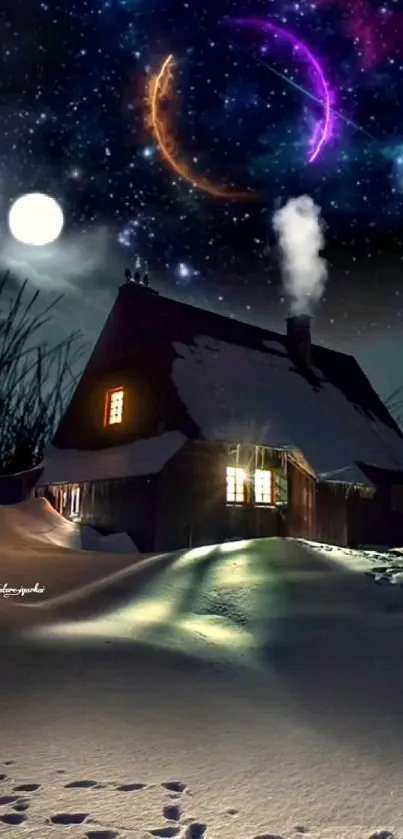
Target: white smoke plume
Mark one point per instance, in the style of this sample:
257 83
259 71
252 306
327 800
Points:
300 233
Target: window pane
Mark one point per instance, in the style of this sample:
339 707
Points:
263 486
75 501
235 485
231 489
115 406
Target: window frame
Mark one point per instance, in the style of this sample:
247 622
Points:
262 497
109 405
237 477
247 493
75 502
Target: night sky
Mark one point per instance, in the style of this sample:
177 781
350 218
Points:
245 112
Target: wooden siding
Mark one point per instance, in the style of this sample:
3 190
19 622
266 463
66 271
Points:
371 521
185 505
192 502
301 518
332 513
353 516
126 505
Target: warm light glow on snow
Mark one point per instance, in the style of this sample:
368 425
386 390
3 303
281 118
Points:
36 219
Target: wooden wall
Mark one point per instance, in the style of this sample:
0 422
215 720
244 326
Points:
349 516
331 510
301 516
185 505
192 503
371 521
125 505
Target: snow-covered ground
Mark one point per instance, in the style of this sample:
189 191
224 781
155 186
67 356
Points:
236 691
35 522
383 566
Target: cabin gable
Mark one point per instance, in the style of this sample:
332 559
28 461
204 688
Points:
149 406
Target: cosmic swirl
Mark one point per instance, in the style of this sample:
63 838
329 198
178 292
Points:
160 93
323 127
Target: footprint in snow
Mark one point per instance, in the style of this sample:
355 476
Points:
26 788
81 785
174 786
69 818
7 799
21 806
130 787
196 830
268 836
172 812
165 832
101 834
382 834
3 777
13 818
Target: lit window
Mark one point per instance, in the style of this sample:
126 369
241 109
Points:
61 500
263 486
114 406
75 501
236 485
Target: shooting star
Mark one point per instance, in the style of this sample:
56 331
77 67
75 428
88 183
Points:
302 90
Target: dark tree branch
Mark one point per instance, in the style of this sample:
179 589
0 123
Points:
36 379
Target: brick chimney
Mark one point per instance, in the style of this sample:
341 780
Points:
299 338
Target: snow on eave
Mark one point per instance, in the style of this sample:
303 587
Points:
300 460
350 475
141 458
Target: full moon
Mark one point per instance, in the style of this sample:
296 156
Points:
36 219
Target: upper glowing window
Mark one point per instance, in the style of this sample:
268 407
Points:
263 486
114 406
236 485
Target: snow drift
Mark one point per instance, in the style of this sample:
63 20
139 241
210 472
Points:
239 600
249 689
36 523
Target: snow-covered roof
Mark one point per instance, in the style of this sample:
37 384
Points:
224 380
240 395
144 457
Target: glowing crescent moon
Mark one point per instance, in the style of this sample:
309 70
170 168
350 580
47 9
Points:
160 89
322 130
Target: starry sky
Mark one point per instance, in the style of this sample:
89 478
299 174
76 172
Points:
244 109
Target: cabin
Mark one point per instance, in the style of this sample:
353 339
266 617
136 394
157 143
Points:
190 428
